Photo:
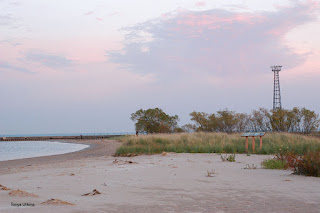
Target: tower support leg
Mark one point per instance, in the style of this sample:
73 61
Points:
253 144
247 144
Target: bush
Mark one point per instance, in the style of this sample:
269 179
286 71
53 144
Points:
274 164
308 164
232 158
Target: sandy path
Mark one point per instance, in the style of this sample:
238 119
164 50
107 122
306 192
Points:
171 183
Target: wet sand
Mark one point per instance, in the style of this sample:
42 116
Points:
154 183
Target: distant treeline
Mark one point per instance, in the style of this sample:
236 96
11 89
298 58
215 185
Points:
280 120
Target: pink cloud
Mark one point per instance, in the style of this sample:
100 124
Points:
306 9
193 25
201 4
36 55
217 42
310 3
88 13
210 20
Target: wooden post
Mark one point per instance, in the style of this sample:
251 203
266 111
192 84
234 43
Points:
253 144
247 144
260 142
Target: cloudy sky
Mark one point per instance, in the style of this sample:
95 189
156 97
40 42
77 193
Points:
75 66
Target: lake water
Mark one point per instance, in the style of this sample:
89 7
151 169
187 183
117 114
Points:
66 134
27 149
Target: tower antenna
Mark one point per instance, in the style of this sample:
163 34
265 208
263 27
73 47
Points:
276 88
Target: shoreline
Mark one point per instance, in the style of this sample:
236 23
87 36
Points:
167 182
52 141
97 148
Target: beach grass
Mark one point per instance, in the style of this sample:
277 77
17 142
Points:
274 164
214 143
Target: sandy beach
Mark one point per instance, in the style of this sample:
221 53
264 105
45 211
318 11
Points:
151 183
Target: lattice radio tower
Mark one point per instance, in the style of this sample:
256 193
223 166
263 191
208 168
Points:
276 88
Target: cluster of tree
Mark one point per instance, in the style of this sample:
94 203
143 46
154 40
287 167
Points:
280 120
154 121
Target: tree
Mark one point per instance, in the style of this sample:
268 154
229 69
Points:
311 120
201 120
223 121
279 120
296 120
189 128
260 120
227 120
243 122
154 121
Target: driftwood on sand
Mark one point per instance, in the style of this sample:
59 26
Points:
94 192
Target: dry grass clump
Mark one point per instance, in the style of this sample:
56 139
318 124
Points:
230 158
250 167
213 143
211 173
163 153
21 193
56 202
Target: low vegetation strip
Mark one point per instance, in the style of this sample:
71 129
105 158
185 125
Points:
274 164
214 143
307 164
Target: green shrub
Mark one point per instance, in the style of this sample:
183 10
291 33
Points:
274 164
231 158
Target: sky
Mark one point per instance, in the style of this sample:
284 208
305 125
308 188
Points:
80 66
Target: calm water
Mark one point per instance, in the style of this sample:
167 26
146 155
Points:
66 134
26 149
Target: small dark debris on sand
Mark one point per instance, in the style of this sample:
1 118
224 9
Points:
56 202
121 162
131 162
94 192
131 155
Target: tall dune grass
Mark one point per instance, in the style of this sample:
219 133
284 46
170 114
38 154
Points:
215 143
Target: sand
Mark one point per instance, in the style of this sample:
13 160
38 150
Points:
167 182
